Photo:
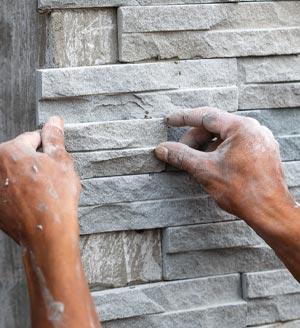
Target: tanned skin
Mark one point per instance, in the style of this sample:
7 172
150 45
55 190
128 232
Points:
241 169
39 192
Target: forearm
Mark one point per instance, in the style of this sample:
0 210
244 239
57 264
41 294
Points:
279 225
59 294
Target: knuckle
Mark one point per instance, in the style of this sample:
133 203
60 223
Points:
251 122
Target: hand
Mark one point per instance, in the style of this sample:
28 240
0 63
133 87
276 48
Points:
39 192
241 168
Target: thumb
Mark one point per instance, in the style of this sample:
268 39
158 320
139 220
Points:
183 157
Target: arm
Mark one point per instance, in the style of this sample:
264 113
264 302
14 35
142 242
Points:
241 169
39 193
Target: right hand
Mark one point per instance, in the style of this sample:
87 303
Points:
241 168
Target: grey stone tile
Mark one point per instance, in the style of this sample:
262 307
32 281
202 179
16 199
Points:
269 283
221 261
122 258
108 79
84 37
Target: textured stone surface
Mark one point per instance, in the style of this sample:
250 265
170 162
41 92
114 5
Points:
280 95
46 5
278 308
115 304
222 261
115 135
168 296
107 79
195 44
226 316
118 259
209 236
82 37
282 122
269 283
136 105
117 162
289 147
130 188
150 214
205 17
292 173
287 324
270 69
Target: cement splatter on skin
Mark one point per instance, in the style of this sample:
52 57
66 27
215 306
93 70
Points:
6 182
55 309
53 193
35 169
39 227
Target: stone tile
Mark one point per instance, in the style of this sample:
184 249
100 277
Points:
115 135
168 296
150 214
135 47
289 147
221 261
83 37
282 122
121 258
206 17
259 96
269 69
209 236
269 283
115 304
116 162
287 324
113 79
269 310
292 173
136 105
141 187
226 316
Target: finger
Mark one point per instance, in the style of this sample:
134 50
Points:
212 119
183 157
53 137
30 139
196 137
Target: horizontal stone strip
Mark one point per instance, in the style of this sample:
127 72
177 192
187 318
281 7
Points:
269 310
269 283
116 162
116 305
150 214
136 47
292 173
289 147
122 258
280 95
113 79
270 69
46 5
287 324
209 236
81 37
137 105
282 122
206 17
221 261
115 135
167 296
141 187
226 316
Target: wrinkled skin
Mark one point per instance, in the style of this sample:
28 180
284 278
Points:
241 169
39 194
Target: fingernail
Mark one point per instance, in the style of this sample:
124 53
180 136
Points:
162 153
57 122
